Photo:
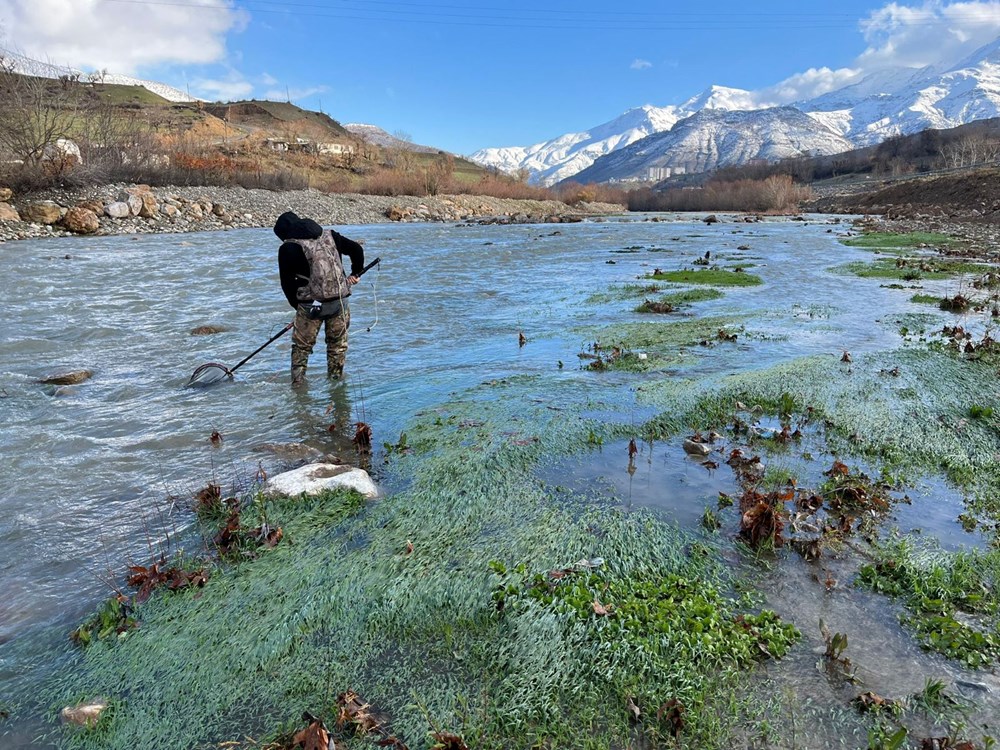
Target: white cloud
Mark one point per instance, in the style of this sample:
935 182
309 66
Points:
267 79
638 64
123 38
812 83
935 32
294 94
231 88
898 35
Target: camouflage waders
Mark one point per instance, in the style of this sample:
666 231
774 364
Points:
304 334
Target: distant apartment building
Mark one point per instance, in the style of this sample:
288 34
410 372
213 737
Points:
655 174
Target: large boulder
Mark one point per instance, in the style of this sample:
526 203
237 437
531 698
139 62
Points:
93 204
42 212
313 479
8 213
169 210
119 210
81 221
150 206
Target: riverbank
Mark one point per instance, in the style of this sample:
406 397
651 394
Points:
139 209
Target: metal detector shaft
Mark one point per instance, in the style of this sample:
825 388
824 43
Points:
367 268
267 343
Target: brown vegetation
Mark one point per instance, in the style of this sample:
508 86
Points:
775 194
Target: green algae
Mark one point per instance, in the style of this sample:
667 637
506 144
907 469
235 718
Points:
926 299
708 276
887 240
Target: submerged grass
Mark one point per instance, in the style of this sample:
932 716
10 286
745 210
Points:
677 299
911 269
646 346
395 600
883 240
708 276
908 410
951 600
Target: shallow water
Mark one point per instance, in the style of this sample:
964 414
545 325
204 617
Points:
96 474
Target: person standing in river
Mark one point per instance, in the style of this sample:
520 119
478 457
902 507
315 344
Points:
313 279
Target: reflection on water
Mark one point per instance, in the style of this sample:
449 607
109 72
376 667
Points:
90 473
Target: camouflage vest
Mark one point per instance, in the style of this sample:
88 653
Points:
327 279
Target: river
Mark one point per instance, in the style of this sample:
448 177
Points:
97 474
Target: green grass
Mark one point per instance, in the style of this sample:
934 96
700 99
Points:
885 240
116 94
709 276
926 299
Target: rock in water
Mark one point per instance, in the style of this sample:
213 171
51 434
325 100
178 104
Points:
313 479
68 378
694 448
84 714
208 330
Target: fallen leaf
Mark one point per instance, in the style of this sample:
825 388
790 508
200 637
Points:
409 547
599 609
216 437
446 741
314 736
521 339
672 711
630 705
846 357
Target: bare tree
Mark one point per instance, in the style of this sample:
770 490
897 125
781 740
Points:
34 112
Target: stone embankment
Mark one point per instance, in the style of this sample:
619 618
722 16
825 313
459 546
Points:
139 209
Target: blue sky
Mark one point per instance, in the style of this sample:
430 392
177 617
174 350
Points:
463 75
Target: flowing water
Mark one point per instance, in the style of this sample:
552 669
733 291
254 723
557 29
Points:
95 474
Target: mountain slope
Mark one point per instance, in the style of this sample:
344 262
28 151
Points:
17 63
714 138
888 102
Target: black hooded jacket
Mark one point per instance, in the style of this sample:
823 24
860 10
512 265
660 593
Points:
292 263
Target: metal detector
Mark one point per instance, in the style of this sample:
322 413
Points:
211 373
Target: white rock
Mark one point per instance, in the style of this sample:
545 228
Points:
315 478
118 210
694 448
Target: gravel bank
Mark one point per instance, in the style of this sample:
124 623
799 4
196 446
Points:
132 209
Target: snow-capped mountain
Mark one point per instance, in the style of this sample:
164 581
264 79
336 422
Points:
551 161
715 138
17 63
888 102
902 101
562 157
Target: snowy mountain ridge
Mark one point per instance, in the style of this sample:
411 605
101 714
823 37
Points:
891 101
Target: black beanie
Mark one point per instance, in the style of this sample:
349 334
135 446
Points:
291 227
283 226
